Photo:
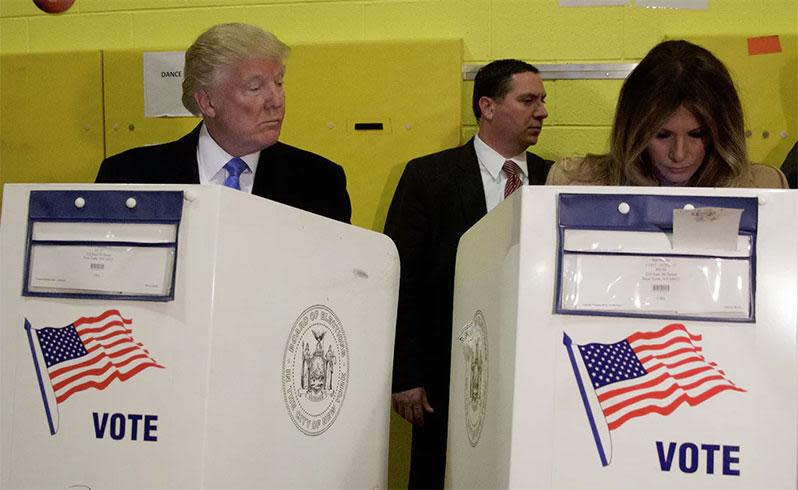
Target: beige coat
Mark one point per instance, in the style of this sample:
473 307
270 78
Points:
569 171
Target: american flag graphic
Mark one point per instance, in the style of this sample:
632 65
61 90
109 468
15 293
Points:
647 373
652 372
92 352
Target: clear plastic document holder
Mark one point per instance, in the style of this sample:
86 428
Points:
621 255
102 244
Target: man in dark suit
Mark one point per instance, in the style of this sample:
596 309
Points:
233 78
438 198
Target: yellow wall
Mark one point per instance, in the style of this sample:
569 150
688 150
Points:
535 30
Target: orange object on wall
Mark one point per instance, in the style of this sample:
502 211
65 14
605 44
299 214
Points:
764 45
53 6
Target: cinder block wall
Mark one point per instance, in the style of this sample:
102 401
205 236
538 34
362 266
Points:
539 31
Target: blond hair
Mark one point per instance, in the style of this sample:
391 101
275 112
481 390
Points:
221 46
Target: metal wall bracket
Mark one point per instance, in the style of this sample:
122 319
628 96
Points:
587 71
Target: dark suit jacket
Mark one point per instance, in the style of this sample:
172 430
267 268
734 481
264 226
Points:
438 198
790 167
285 174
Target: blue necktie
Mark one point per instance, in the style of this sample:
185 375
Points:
234 168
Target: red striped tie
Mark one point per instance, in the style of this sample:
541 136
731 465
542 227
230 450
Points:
513 180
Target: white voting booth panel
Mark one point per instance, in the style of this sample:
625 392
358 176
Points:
270 368
518 418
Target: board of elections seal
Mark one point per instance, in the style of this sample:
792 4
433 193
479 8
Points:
474 339
315 370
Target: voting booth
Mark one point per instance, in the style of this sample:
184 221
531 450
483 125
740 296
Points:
191 337
609 337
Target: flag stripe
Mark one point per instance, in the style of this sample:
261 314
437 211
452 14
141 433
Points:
116 344
101 385
666 355
96 319
651 383
670 343
659 394
109 345
59 383
606 395
668 409
666 400
102 371
679 374
673 327
99 338
681 362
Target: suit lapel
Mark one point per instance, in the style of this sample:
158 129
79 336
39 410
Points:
537 169
469 182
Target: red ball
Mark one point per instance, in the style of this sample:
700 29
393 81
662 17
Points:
53 6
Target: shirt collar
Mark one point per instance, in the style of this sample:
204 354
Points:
215 158
493 161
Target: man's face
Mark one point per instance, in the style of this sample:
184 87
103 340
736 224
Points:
517 118
244 111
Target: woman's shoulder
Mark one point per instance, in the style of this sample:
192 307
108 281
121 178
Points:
572 171
767 177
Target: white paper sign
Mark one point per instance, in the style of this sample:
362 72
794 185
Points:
706 228
91 269
163 79
691 286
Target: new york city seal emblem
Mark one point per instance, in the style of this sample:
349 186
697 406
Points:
474 339
315 370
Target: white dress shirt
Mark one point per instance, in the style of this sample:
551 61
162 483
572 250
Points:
211 159
490 167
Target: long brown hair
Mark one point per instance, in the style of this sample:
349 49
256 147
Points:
675 73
